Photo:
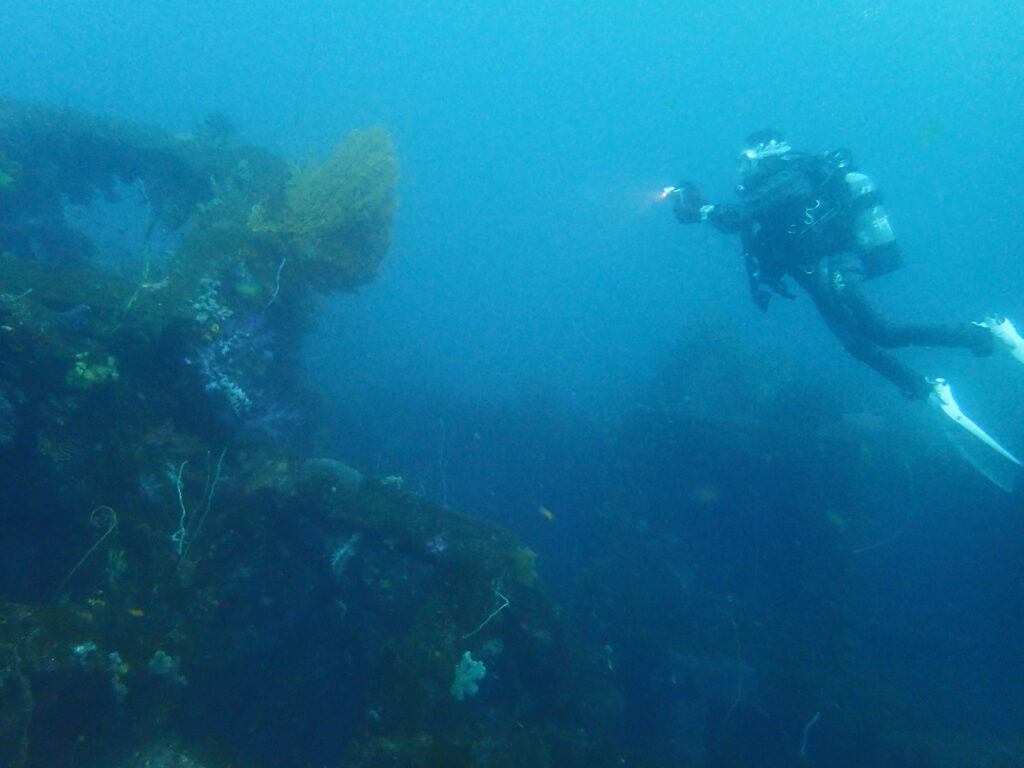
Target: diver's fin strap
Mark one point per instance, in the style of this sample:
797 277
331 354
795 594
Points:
942 397
1003 330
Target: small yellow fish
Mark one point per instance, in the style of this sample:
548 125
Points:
546 513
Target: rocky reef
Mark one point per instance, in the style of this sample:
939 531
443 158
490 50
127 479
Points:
185 577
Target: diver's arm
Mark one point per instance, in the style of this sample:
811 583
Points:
729 218
691 208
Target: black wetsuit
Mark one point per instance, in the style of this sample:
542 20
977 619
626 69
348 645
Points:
796 218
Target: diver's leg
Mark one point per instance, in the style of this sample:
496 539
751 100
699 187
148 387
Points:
884 332
828 294
913 384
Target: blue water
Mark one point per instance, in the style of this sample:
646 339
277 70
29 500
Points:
530 248
537 285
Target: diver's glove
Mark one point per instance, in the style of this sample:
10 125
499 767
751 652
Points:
688 202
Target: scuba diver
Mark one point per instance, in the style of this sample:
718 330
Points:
818 221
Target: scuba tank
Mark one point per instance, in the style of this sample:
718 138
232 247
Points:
870 225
